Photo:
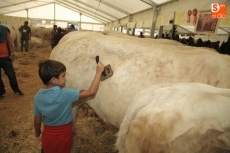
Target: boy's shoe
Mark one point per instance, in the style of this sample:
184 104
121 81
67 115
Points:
2 96
19 93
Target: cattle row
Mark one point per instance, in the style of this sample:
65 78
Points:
223 48
38 35
163 96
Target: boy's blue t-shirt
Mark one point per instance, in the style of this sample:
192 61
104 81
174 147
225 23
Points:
55 105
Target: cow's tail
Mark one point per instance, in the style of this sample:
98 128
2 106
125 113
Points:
123 132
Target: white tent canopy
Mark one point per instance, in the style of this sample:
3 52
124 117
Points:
97 12
41 13
100 10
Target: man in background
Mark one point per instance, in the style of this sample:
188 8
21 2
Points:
72 28
53 32
25 35
57 36
141 35
6 59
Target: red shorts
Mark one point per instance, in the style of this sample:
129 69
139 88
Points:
57 139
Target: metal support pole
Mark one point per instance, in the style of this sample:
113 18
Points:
27 15
133 31
160 32
154 20
79 29
127 30
172 32
54 13
130 20
118 24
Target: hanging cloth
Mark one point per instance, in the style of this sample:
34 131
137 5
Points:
194 12
189 14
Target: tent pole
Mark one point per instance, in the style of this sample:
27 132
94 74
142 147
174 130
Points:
173 25
79 27
154 20
27 15
54 13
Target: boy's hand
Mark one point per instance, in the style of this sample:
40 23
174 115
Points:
38 133
100 67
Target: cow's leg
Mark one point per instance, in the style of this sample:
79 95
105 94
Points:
74 113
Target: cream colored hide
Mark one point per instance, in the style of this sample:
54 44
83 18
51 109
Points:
47 32
147 40
177 118
41 32
35 42
38 32
136 65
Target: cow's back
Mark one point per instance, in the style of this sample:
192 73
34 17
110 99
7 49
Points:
136 65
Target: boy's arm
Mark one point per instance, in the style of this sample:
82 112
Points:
95 85
37 125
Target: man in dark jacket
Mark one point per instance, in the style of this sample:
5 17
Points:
25 35
57 36
52 33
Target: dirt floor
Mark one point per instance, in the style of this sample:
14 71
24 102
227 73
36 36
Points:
16 113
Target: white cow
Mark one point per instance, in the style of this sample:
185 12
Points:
36 39
146 40
136 65
177 118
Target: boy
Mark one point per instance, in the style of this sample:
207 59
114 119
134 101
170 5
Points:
52 106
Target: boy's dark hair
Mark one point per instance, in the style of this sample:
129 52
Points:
50 68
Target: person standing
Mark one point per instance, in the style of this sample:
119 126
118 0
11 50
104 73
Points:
141 35
72 28
53 32
25 35
57 37
53 103
6 59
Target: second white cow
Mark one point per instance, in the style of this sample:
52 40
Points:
177 118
